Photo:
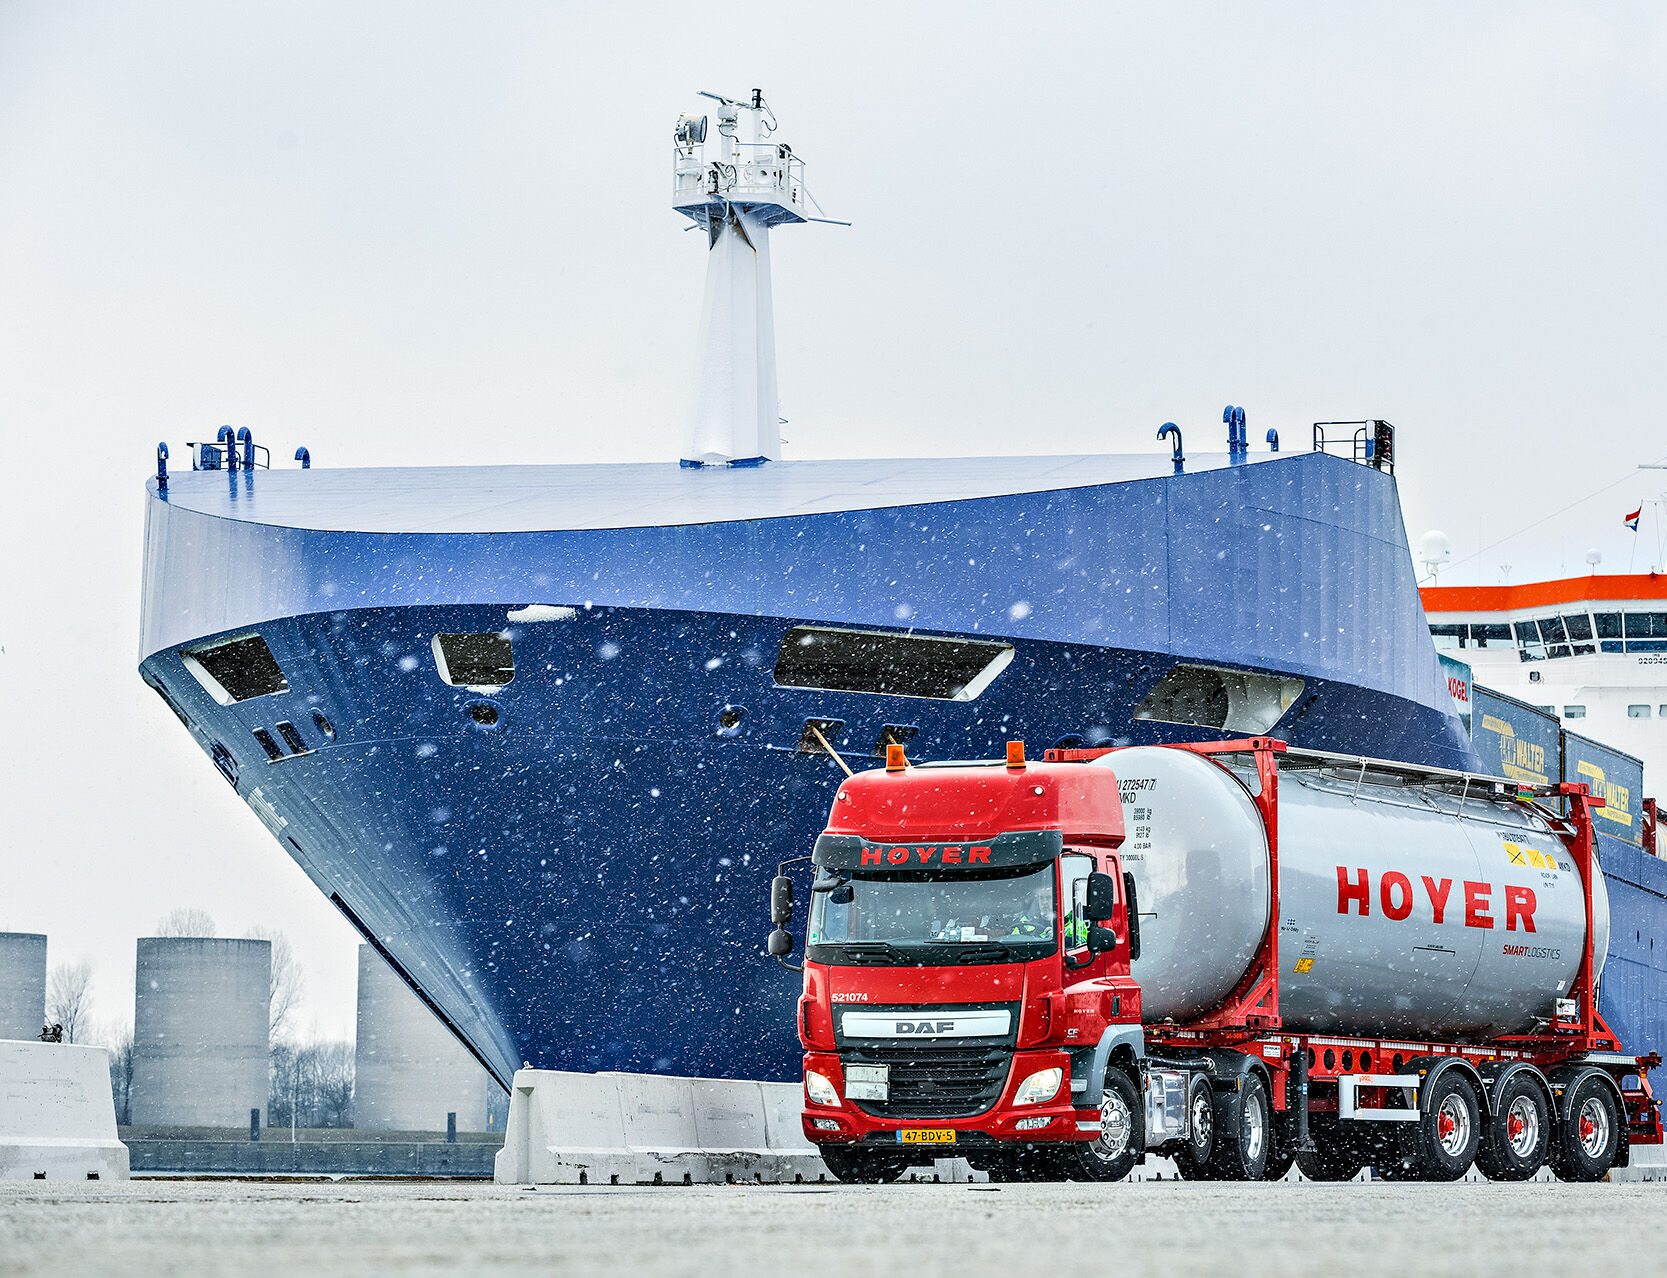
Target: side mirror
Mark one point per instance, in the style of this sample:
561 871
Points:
781 903
1101 940
1102 898
780 944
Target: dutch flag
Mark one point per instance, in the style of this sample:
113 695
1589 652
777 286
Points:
1632 519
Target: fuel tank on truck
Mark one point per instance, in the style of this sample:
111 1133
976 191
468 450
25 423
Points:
1406 908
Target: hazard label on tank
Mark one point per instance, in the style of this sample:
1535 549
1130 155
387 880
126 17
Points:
1304 965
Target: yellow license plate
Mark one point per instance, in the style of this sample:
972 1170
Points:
926 1136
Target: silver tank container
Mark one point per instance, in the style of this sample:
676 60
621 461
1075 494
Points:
1199 855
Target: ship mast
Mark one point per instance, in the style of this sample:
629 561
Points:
736 183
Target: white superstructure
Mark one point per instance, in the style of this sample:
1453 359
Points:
1591 650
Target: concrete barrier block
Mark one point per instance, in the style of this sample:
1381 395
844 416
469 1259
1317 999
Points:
57 1114
668 1130
784 1128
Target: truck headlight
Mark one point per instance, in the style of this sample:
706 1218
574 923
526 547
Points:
1041 1086
821 1091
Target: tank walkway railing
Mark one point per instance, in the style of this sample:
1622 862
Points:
1371 443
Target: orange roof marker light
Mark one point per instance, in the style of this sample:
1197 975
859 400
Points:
895 762
1015 754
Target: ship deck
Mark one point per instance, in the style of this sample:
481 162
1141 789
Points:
496 499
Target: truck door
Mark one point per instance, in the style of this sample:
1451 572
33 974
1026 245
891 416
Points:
1074 869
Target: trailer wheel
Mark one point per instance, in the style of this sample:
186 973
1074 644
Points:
863 1168
1244 1131
1517 1138
1113 1153
1446 1136
1587 1143
1192 1156
1337 1155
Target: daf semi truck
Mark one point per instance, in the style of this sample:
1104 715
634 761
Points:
1232 954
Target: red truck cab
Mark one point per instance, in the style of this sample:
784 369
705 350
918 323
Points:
967 970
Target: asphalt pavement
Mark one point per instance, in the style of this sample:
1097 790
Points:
1165 1227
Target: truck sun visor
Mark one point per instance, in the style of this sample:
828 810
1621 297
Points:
1018 847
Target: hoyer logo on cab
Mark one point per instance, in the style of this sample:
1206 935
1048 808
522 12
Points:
1396 898
948 854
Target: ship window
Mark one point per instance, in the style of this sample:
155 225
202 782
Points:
1528 636
1608 624
1579 626
274 751
287 731
1553 636
1448 637
1230 700
889 664
1481 633
1646 625
1638 712
474 661
324 725
1574 712
235 669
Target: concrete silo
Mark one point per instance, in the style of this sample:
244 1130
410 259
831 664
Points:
409 1070
22 984
200 1015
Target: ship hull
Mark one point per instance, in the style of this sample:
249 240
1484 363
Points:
580 883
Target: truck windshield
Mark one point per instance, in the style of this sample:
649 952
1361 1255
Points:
991 915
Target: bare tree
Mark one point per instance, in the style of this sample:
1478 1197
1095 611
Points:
287 979
311 1084
335 1084
69 998
186 920
121 1073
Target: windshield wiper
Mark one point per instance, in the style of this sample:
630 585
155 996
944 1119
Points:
978 949
874 949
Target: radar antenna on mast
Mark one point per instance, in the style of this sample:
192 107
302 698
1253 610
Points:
731 178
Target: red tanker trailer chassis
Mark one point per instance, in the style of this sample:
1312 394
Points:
997 1018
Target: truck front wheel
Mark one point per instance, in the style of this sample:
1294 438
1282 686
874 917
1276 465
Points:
1244 1131
1112 1154
856 1167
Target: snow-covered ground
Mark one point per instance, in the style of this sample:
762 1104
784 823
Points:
1155 1227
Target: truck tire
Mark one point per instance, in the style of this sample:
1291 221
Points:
1244 1131
860 1167
1113 1153
1337 1154
1192 1156
1444 1141
1516 1139
1586 1145
1027 1165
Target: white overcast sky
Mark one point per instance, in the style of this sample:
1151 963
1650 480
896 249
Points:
440 234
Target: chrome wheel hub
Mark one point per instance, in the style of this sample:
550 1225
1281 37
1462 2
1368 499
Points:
1203 1120
1522 1127
1255 1130
1594 1128
1452 1126
1116 1125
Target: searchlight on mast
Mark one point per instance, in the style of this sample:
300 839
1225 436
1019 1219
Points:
733 179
